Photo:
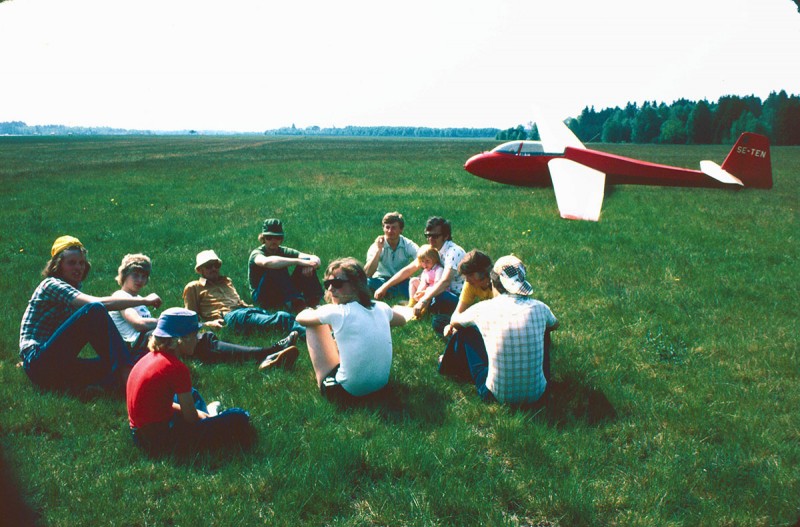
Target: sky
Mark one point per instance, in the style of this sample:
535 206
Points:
253 65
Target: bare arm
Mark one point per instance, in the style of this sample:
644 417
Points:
188 411
117 304
401 275
308 318
398 318
138 322
281 262
372 264
437 288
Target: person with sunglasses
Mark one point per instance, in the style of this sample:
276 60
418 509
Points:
216 301
440 299
349 338
271 285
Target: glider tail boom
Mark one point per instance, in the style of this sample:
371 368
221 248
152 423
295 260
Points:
749 161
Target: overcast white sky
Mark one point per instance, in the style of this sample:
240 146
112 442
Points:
251 65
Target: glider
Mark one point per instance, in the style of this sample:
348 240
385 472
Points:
579 174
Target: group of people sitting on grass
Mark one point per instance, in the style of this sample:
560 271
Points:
497 335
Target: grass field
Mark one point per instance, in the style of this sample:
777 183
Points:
676 373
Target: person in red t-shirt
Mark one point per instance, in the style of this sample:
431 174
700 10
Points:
165 413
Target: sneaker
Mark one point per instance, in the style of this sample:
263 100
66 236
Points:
285 342
281 359
212 409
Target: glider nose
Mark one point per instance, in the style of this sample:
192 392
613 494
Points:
476 165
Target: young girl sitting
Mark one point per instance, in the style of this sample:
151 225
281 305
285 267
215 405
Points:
166 414
428 258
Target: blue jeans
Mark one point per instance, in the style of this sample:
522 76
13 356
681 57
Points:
55 364
228 429
245 320
398 291
277 288
442 307
466 354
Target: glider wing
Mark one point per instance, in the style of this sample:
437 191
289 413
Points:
579 189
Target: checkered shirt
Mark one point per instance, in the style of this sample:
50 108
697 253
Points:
513 330
47 309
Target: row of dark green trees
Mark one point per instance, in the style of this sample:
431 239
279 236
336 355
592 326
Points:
685 122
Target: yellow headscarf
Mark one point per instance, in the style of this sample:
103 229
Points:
64 242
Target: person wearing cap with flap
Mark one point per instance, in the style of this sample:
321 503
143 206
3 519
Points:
60 320
271 285
508 357
165 413
216 301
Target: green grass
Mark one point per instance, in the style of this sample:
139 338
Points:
676 363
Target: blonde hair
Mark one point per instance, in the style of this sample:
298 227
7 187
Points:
428 251
131 263
166 343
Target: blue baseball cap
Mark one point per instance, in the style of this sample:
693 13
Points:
177 322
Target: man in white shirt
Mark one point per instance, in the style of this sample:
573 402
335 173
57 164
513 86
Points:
442 297
508 357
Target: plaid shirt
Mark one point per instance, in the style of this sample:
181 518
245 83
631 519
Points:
513 331
49 307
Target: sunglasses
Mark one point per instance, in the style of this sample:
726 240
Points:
212 265
433 235
337 283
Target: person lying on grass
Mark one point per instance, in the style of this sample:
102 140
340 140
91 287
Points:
166 414
136 324
355 360
60 320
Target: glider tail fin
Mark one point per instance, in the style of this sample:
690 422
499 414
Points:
749 161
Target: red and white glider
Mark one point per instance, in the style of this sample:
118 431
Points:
579 175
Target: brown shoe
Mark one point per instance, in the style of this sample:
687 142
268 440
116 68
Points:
281 359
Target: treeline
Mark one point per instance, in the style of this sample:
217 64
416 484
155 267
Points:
388 131
685 122
20 128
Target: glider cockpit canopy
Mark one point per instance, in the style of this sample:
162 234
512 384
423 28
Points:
520 148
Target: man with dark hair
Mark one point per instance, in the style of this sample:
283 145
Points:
508 356
442 297
390 252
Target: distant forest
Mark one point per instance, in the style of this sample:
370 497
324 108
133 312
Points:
684 122
388 131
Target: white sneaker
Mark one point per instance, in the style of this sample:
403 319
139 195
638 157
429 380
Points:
213 408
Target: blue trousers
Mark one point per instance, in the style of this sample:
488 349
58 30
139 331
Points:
465 358
230 428
55 364
246 320
398 291
278 288
442 307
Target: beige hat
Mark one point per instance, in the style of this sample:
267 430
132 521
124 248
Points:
512 275
203 257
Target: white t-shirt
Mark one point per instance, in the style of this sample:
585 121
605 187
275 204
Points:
128 333
451 255
364 340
